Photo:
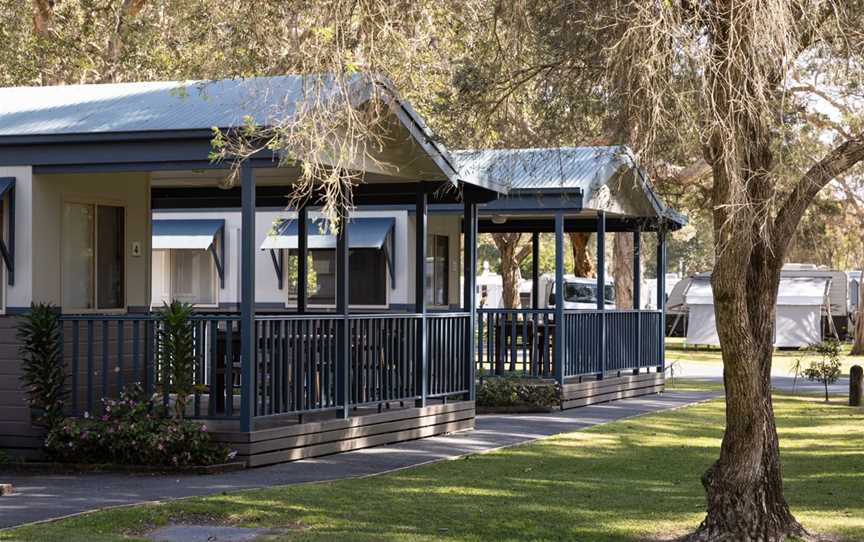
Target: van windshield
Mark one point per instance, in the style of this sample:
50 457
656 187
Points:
587 293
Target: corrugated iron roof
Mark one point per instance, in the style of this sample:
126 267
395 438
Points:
154 106
608 177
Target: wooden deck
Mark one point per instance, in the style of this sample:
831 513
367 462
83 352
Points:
577 394
363 430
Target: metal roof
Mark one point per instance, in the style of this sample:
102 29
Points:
155 106
608 178
150 110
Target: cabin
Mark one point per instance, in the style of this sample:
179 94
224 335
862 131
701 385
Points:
308 343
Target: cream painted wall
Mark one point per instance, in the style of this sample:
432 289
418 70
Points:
131 190
20 294
441 224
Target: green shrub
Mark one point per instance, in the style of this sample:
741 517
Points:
177 353
508 391
43 374
827 369
134 430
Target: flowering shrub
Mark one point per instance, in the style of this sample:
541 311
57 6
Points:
133 430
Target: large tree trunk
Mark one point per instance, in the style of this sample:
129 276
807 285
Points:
744 487
582 266
623 270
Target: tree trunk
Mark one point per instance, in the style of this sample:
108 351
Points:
623 270
858 346
582 266
511 256
745 487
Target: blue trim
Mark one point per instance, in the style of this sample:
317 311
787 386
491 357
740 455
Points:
247 298
559 297
7 189
278 266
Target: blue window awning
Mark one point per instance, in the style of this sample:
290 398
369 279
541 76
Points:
367 232
186 233
192 234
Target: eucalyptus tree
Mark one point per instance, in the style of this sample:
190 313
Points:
733 78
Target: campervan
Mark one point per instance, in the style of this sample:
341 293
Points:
579 292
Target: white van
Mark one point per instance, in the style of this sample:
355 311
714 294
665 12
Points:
579 293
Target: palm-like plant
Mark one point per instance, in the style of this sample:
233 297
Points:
177 352
43 373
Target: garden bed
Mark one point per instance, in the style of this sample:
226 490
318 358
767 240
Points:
516 395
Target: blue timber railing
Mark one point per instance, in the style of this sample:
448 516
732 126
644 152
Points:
594 342
296 369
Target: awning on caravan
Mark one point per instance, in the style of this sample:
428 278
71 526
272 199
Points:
192 234
187 233
366 232
798 311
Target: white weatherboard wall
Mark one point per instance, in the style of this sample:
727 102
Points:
266 284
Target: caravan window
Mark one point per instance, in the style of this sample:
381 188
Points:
93 257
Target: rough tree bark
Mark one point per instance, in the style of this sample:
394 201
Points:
622 270
582 265
744 487
511 256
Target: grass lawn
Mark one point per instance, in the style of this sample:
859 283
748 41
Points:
635 479
783 359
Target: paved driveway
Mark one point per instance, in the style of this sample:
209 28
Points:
43 497
781 380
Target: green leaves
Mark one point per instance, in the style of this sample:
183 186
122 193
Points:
43 373
827 369
177 353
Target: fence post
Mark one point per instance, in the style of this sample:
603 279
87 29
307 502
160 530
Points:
661 293
856 385
343 340
637 294
601 287
247 297
422 370
559 297
470 288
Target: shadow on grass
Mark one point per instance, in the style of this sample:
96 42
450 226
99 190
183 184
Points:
636 479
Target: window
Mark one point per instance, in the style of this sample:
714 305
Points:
193 279
93 256
367 277
437 270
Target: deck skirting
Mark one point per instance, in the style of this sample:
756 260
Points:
590 392
315 439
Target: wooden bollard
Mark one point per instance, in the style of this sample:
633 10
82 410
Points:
856 385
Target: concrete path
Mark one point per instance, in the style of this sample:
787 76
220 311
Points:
780 379
43 497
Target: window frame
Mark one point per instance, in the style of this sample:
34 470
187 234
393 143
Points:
96 201
431 252
4 233
214 277
291 300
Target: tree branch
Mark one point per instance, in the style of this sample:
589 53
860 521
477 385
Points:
837 162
